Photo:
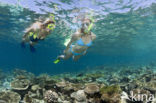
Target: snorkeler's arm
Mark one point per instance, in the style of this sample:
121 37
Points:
33 28
27 32
93 36
73 39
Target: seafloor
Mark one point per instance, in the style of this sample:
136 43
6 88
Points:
100 84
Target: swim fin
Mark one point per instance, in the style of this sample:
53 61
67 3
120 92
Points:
56 61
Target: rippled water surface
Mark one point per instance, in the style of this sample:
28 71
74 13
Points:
125 29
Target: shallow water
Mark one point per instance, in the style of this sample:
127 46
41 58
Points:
125 30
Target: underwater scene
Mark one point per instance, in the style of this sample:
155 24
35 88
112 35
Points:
77 51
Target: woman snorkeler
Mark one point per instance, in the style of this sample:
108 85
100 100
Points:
38 31
80 42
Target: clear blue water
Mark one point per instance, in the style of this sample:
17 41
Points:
125 29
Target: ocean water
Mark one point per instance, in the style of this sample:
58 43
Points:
125 30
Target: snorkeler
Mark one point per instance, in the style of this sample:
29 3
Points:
82 40
38 31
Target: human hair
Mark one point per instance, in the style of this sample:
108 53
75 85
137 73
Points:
84 19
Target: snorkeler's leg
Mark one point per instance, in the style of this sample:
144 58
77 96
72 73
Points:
32 48
25 39
23 42
66 55
75 58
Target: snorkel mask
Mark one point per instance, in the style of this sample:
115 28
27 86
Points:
51 26
90 26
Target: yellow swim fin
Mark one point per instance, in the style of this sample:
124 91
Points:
56 61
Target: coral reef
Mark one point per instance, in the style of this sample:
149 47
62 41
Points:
20 84
9 97
51 96
111 94
97 85
79 96
91 89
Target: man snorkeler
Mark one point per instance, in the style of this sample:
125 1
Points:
38 31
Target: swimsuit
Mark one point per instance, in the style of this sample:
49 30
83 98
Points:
33 36
33 39
80 43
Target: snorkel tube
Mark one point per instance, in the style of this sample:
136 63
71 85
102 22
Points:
90 26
